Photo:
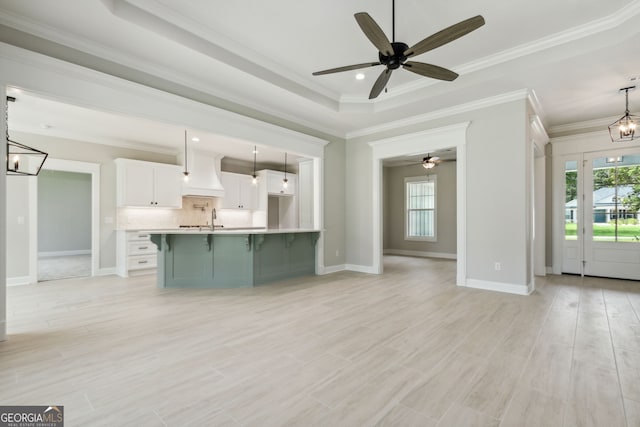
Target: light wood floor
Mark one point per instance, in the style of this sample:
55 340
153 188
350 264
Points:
407 348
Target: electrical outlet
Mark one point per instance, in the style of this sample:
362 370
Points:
497 266
337 252
20 220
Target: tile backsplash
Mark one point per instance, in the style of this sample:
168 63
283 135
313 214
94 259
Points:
195 211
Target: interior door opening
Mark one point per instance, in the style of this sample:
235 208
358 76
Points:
64 225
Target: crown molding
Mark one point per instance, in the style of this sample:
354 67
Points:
606 23
75 42
112 89
609 22
202 96
170 23
445 112
582 127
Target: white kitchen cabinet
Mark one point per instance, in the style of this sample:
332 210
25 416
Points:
148 184
275 183
240 192
135 253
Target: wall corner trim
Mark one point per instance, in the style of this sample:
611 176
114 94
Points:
510 288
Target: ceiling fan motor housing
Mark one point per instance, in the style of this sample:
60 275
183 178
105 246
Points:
394 61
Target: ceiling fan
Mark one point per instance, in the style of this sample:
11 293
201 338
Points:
394 55
431 162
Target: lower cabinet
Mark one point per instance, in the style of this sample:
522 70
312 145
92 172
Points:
234 260
136 253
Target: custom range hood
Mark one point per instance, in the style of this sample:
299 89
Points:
204 178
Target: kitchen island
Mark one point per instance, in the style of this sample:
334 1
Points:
202 258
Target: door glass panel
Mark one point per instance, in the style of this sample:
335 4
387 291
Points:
616 199
571 200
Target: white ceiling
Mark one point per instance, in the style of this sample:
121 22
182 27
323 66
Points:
574 54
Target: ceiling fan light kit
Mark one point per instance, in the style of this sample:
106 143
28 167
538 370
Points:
624 129
430 162
394 55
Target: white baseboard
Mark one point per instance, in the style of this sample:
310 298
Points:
422 254
509 288
64 253
360 268
19 281
331 269
3 330
106 271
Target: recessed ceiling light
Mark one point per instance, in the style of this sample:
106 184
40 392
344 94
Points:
45 126
195 139
359 76
254 152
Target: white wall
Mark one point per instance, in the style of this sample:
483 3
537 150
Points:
64 211
496 186
394 206
3 222
334 191
17 228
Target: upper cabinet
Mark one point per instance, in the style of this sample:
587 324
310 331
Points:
240 192
275 184
147 184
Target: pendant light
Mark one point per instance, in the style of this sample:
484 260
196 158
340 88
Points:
22 159
254 177
186 169
285 181
624 129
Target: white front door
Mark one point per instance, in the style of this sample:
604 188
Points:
602 221
611 207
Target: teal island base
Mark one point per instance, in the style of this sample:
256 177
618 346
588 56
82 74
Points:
233 260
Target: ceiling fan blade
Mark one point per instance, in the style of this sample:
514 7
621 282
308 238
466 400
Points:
380 83
445 36
429 70
347 68
374 33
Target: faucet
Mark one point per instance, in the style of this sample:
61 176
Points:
214 216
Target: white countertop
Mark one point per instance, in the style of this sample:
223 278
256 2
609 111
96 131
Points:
227 232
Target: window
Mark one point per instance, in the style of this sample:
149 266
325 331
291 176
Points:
420 207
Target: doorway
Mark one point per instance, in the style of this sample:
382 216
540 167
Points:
414 144
66 171
64 225
601 233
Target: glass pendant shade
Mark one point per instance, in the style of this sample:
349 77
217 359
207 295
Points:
624 129
22 159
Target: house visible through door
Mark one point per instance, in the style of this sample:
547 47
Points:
64 225
602 215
